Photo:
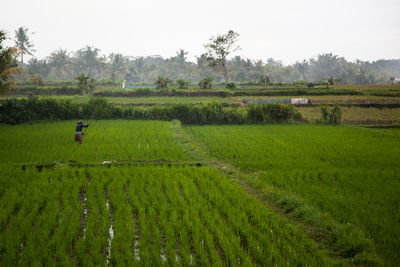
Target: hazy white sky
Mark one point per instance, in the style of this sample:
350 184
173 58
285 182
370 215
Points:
286 30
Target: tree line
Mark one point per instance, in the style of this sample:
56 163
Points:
64 65
214 63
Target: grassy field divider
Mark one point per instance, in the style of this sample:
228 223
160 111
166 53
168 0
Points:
113 163
340 241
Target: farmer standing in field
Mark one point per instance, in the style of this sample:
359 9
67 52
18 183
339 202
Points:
78 132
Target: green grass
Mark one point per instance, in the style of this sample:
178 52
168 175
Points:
351 174
343 182
105 141
158 215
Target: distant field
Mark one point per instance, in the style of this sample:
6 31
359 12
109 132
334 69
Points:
350 173
366 86
357 115
347 99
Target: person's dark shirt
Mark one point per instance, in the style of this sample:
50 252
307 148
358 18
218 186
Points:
79 127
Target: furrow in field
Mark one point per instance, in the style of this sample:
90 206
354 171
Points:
83 200
135 245
97 223
111 228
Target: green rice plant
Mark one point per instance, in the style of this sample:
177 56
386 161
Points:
184 219
45 143
63 214
123 223
341 180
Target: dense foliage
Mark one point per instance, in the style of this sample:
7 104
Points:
272 113
64 65
8 66
14 111
332 116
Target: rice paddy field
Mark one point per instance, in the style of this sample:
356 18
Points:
350 173
47 142
357 115
154 193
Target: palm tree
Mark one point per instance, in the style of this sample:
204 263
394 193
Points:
59 60
23 43
40 67
88 60
8 67
181 55
118 66
302 68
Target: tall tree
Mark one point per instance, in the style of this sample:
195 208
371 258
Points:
118 66
60 62
181 55
8 66
219 48
23 43
302 68
326 65
40 68
88 60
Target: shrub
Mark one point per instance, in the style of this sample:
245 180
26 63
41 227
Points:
163 82
86 83
14 111
182 84
304 83
271 112
231 85
333 116
143 91
99 108
206 83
